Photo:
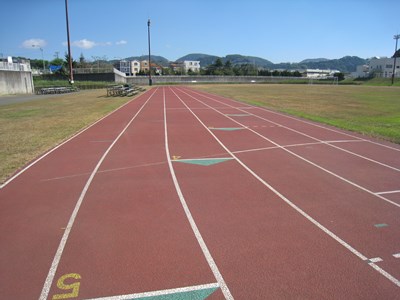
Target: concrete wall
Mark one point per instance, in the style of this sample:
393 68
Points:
16 82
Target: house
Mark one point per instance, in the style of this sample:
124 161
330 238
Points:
193 66
125 67
135 67
144 66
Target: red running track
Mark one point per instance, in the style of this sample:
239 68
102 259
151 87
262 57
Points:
181 194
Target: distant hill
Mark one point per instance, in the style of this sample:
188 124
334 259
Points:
345 64
205 59
235 59
312 60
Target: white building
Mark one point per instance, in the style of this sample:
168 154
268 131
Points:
320 74
378 67
194 66
383 67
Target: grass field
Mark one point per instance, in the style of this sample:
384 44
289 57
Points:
370 110
28 129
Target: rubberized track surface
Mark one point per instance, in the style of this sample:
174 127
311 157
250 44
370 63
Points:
181 194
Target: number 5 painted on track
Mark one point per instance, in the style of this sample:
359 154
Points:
63 286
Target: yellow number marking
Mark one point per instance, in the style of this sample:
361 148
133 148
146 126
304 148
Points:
63 286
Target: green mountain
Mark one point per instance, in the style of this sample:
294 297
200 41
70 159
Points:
313 60
205 59
235 59
345 64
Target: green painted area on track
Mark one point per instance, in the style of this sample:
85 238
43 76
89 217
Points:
203 162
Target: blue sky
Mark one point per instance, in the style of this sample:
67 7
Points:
280 31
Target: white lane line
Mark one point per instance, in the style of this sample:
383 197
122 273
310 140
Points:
105 171
295 207
58 146
161 292
314 138
50 276
299 120
304 159
396 255
388 192
200 240
374 260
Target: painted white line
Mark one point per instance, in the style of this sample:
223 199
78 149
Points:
50 276
295 207
388 192
302 158
105 171
396 255
314 138
59 145
200 240
300 120
161 292
374 260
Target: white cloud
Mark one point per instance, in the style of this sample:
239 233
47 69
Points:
87 44
34 43
84 44
121 42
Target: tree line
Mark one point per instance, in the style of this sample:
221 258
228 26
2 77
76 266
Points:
219 68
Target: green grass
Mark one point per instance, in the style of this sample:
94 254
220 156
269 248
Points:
369 110
31 128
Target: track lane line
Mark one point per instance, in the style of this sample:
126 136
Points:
297 208
311 137
298 119
218 276
50 277
61 144
302 158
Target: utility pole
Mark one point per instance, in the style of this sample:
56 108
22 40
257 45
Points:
71 75
148 37
396 37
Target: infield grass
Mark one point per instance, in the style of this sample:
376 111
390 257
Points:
369 110
30 128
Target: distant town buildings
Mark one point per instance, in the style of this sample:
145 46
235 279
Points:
320 74
135 67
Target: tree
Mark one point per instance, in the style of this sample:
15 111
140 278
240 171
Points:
340 76
67 61
57 62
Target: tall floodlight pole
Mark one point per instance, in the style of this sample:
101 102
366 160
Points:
396 37
71 75
148 37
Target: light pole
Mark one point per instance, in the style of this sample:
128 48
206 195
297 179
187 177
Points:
396 37
41 50
148 37
71 76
